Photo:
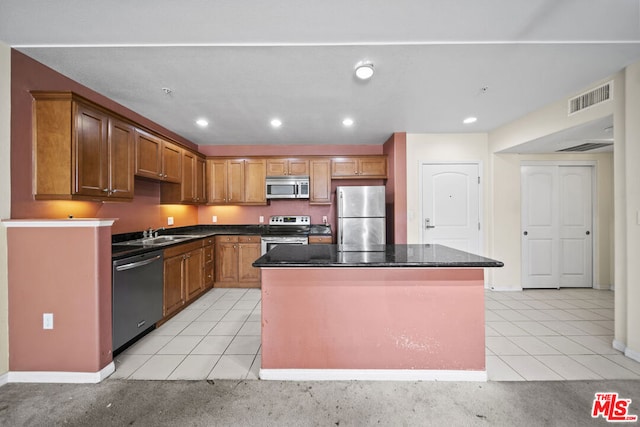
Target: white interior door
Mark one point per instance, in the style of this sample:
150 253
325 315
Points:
451 205
557 239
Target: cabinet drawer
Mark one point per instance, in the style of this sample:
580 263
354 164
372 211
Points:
182 249
225 239
208 241
320 239
249 239
208 254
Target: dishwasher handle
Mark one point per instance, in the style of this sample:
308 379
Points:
137 264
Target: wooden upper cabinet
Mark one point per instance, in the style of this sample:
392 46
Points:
359 167
236 181
191 189
121 159
320 181
282 167
81 152
255 182
157 158
216 181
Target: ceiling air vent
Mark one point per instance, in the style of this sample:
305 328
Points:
587 146
591 98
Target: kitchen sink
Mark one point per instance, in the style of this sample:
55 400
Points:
157 241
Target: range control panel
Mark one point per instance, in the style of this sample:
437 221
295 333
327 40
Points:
290 220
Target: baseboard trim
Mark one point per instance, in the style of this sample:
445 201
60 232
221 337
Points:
371 375
632 354
4 379
619 345
61 377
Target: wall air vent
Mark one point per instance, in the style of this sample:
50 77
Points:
591 98
586 147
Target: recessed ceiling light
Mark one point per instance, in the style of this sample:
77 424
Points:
347 122
470 120
203 123
364 70
276 123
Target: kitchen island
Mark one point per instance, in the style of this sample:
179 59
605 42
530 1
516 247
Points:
400 312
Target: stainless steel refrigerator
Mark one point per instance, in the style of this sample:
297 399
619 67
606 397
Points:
361 218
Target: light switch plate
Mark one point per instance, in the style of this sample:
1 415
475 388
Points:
214 218
47 320
261 219
170 220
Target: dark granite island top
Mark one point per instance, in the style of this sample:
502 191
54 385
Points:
429 256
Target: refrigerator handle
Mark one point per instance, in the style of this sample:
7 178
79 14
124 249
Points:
340 213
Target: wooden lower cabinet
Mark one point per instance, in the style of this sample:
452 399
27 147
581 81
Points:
184 277
234 256
209 264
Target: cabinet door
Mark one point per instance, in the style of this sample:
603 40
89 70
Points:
216 181
298 167
200 185
90 152
226 259
276 167
171 162
344 167
255 181
320 182
194 281
247 254
121 159
235 181
173 290
373 167
188 176
148 155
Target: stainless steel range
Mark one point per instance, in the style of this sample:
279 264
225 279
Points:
286 230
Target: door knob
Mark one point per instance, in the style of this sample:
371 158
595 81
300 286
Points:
526 233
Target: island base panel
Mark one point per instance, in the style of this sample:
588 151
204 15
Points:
374 318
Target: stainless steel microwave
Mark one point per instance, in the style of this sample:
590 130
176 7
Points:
287 187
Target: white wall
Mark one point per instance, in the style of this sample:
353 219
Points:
440 148
504 192
5 197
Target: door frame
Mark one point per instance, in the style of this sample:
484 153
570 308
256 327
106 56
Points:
594 205
479 164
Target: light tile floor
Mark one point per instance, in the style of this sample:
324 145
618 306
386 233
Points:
530 335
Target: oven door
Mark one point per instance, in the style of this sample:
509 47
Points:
269 242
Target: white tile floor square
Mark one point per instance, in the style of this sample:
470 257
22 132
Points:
530 335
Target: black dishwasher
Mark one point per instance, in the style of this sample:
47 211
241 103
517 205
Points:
137 295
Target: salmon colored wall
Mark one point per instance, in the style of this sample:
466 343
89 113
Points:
72 282
396 188
373 318
290 150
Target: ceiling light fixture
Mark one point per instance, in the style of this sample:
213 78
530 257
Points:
347 122
203 123
470 120
364 70
276 123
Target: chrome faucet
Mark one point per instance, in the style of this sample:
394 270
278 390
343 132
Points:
150 232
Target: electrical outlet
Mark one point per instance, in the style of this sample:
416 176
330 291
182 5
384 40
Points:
214 218
47 320
324 219
261 219
170 220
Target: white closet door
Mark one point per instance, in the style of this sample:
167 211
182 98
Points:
557 238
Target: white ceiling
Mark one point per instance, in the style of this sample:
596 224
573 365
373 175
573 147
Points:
241 63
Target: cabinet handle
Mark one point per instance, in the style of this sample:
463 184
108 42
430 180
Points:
106 190
160 175
165 175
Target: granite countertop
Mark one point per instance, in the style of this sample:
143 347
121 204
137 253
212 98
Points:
200 232
382 256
